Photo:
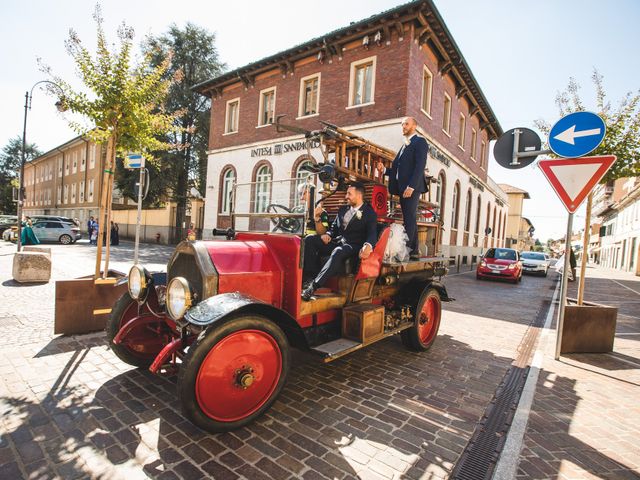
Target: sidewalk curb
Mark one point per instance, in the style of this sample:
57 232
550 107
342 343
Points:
507 465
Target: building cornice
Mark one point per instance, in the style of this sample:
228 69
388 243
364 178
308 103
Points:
426 26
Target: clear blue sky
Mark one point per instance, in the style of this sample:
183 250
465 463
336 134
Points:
521 53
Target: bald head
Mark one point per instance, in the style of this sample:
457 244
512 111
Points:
409 125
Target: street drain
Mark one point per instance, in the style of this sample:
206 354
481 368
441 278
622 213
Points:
483 450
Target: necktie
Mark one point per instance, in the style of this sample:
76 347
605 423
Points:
348 216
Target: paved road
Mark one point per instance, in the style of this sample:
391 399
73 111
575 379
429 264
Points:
71 409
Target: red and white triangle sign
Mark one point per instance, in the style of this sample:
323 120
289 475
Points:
574 178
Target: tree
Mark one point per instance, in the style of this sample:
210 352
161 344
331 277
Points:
622 138
122 102
10 159
194 59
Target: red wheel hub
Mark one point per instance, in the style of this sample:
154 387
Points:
238 375
429 319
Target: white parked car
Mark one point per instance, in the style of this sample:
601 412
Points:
534 262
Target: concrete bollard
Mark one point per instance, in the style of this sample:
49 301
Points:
33 264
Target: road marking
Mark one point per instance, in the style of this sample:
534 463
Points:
510 456
628 288
613 355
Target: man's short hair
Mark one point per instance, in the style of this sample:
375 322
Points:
359 186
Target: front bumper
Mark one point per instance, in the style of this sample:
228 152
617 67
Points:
490 273
534 268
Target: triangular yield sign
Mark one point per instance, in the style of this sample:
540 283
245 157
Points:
574 178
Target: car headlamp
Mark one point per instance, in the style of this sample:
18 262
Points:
138 282
512 266
483 263
179 298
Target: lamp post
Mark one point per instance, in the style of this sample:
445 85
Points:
28 96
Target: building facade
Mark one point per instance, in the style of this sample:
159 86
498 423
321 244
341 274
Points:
365 78
65 181
519 229
617 208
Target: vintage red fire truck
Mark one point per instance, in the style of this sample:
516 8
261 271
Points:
226 313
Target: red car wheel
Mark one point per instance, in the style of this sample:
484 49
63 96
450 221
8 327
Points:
423 333
233 373
142 344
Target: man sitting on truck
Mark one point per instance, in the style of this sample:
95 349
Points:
354 231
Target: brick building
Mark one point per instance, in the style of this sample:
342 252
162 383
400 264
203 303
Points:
65 181
365 78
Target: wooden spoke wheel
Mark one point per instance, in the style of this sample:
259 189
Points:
233 373
421 335
141 346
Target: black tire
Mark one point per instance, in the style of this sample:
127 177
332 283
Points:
411 337
65 239
197 354
120 308
478 277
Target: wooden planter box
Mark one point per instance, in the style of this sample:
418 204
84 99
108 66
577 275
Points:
83 304
588 328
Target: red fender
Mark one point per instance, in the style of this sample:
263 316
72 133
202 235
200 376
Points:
133 323
168 350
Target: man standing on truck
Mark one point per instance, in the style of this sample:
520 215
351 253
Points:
407 179
354 231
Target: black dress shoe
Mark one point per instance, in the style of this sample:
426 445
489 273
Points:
307 293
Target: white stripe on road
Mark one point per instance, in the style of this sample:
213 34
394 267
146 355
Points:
628 288
510 455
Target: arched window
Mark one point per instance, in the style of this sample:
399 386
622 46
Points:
301 174
478 215
262 188
493 227
488 218
504 226
441 187
227 178
455 205
499 232
467 212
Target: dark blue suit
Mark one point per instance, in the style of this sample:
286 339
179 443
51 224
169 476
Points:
346 242
407 170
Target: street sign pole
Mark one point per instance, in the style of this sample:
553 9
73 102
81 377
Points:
139 219
563 285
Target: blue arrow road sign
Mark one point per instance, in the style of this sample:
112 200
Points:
576 134
134 161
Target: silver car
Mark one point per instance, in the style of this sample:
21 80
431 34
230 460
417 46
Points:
534 262
56 231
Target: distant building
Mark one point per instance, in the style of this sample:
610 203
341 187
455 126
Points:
67 181
364 77
617 208
519 229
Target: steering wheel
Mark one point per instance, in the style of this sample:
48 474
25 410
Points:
285 224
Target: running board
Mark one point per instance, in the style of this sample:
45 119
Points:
335 349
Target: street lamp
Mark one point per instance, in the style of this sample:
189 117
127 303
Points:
28 96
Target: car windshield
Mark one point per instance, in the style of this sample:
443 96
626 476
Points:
271 206
532 256
501 254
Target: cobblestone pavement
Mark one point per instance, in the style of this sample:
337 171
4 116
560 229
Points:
71 409
585 417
